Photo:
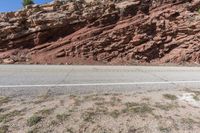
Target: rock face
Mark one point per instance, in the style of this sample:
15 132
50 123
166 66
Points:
106 32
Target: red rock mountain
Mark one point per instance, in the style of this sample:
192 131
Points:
105 32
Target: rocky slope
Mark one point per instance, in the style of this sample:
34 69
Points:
92 32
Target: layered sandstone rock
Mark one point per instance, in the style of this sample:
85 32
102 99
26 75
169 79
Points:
105 32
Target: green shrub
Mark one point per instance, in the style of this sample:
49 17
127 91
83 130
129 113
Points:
27 2
33 120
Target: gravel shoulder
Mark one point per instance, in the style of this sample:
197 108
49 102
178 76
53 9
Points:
149 111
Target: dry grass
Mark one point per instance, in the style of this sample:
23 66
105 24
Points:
4 129
189 122
45 112
9 116
88 116
43 98
4 100
167 106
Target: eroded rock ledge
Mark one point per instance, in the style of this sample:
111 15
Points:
107 32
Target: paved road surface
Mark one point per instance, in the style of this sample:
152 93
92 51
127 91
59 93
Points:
28 80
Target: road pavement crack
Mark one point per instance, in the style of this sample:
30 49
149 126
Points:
58 83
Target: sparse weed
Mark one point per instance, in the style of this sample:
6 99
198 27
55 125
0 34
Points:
94 97
189 122
4 100
62 117
33 120
166 107
164 129
4 129
45 111
132 104
114 101
34 130
9 116
70 130
115 113
195 97
169 96
89 115
137 108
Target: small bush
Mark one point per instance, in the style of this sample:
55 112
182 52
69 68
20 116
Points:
33 120
170 96
27 2
137 108
89 116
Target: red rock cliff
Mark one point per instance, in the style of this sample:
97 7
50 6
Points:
120 32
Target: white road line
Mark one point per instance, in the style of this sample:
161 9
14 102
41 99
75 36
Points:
99 84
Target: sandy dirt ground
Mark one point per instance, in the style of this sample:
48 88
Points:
140 112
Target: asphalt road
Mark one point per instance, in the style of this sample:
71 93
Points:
29 80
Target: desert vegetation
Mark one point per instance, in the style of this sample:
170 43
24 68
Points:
156 111
27 2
